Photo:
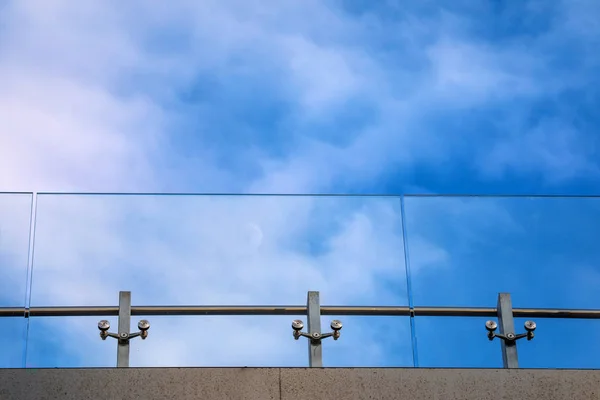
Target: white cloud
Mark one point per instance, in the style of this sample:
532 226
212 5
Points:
123 65
323 76
86 140
469 74
552 144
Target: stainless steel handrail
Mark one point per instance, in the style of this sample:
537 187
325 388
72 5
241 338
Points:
76 311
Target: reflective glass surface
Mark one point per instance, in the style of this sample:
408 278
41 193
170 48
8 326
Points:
368 342
463 251
217 341
270 250
12 341
560 343
462 342
459 342
217 250
69 342
15 214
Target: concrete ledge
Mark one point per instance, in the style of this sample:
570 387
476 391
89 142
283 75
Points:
298 383
139 383
443 384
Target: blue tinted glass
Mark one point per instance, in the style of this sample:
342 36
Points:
464 251
219 341
12 341
456 342
560 343
67 342
462 342
368 342
15 214
217 250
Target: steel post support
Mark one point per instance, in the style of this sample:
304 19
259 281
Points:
124 327
313 313
506 324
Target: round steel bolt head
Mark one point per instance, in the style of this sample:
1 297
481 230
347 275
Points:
530 326
297 325
336 325
491 325
144 325
104 325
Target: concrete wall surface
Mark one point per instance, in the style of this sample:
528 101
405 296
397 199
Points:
298 383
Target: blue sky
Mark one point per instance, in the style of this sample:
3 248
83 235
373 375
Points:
297 97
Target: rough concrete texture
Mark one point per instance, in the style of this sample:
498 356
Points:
139 383
446 384
298 383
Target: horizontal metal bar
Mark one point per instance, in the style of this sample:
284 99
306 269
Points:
219 310
12 312
455 312
201 310
70 311
552 313
229 194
